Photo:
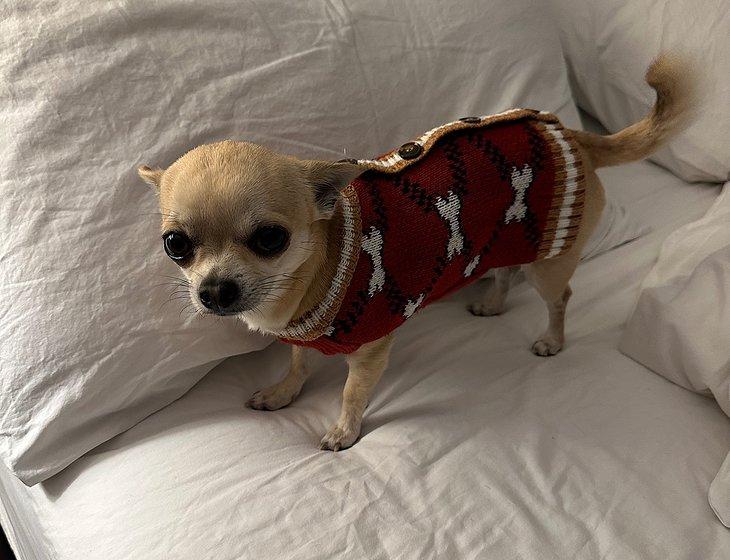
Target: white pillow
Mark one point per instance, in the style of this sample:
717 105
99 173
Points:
88 348
609 44
680 326
719 495
616 227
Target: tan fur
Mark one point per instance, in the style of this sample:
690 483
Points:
670 76
285 391
219 193
366 366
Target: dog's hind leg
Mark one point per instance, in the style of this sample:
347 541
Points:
492 302
551 282
550 277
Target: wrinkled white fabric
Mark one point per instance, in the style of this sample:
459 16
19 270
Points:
616 227
680 328
719 495
609 44
471 448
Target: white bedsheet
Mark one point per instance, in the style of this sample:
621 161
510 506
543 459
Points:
472 447
680 327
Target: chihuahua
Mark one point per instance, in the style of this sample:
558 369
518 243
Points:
337 255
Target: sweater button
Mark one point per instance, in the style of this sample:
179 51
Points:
470 120
410 150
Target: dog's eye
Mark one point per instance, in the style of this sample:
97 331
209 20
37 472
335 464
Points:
268 241
177 245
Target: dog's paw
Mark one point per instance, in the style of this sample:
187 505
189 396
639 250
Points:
547 347
272 398
482 309
339 437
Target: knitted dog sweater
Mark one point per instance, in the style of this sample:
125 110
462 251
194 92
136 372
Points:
434 215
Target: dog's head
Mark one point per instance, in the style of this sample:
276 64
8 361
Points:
241 221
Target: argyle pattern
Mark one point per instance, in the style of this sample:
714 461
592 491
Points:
479 198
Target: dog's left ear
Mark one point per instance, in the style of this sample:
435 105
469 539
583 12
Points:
327 180
151 176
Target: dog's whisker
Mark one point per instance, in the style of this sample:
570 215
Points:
175 285
177 280
173 297
185 308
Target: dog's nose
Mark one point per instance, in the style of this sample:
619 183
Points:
219 296
227 294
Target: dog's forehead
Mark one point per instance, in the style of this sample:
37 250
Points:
232 182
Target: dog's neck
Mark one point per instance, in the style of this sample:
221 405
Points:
313 278
321 267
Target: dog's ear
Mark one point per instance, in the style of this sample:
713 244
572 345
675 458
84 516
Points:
151 176
327 179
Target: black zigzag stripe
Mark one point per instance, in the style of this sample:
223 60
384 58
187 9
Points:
381 217
396 303
492 240
415 192
532 231
351 316
396 300
456 166
503 165
504 168
538 149
441 264
395 297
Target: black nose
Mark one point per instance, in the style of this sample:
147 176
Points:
219 296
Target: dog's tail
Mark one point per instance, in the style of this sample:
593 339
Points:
674 84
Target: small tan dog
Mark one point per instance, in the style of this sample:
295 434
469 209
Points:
258 235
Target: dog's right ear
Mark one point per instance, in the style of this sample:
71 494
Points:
151 176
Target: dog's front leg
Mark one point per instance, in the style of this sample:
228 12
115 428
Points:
366 365
285 391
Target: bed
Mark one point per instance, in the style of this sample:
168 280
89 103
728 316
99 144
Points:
123 431
472 447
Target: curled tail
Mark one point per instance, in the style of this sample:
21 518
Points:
674 84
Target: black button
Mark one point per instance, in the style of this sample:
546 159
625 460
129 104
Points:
470 120
410 150
347 160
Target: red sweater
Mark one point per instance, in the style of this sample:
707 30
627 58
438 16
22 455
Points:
436 214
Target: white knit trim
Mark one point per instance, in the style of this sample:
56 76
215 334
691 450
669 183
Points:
571 184
394 159
567 211
556 247
315 317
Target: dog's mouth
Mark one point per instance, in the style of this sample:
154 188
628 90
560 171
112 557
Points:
229 311
223 312
239 313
